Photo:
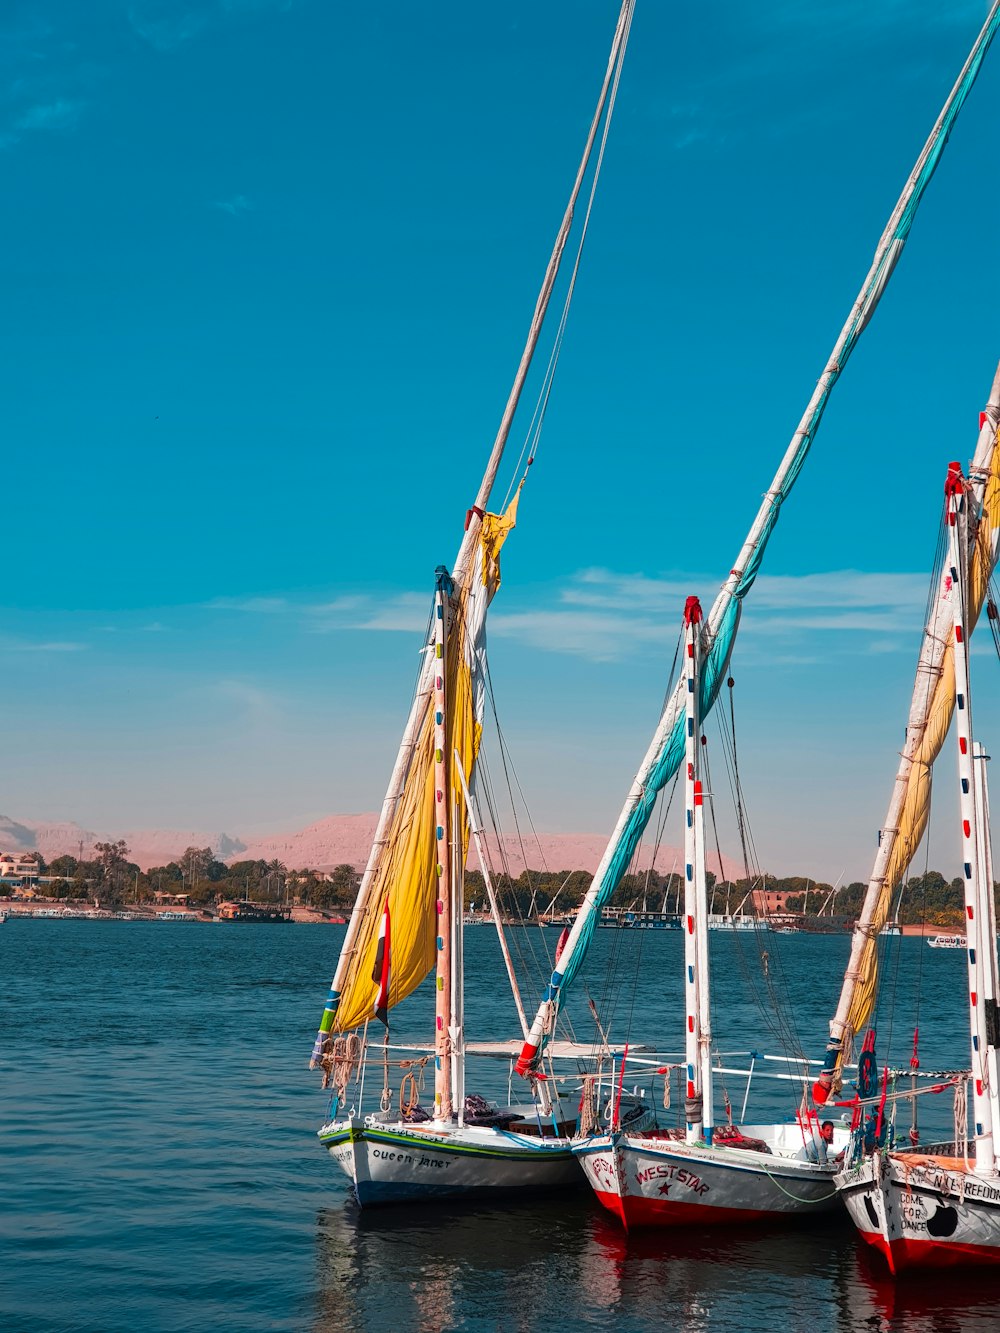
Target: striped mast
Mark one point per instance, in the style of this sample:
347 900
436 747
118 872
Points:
990 975
443 1006
698 1031
664 755
927 724
463 560
979 946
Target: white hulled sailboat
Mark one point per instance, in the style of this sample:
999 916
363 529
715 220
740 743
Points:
757 1189
408 917
939 1207
708 1175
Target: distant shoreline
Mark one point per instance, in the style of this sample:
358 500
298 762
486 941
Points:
307 916
48 911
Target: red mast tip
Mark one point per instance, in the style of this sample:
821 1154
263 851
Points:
954 485
692 611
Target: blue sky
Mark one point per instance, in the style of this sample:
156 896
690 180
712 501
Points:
267 270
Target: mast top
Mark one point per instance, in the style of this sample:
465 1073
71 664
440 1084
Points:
692 611
954 485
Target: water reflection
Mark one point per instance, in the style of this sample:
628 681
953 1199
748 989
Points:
919 1303
521 1269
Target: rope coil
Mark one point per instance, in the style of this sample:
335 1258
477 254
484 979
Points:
340 1062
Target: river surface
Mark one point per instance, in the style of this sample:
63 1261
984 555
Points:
159 1167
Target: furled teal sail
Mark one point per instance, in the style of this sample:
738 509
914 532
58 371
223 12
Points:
664 755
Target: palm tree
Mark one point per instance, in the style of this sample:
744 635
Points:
276 870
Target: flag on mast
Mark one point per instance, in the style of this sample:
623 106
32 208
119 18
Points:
380 972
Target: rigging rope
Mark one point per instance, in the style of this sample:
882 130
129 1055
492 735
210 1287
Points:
778 1015
534 432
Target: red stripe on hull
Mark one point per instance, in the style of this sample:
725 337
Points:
639 1212
902 1255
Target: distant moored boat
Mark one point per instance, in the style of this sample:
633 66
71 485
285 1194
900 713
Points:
268 913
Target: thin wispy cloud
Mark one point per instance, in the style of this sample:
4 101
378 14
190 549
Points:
59 116
164 30
600 637
10 644
159 23
712 110
235 206
253 605
848 588
606 616
256 706
62 114
402 611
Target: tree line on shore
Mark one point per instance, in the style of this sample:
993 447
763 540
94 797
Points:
111 879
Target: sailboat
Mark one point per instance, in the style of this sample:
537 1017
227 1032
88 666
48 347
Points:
666 749
939 1207
408 918
931 709
709 1174
670 1183
892 928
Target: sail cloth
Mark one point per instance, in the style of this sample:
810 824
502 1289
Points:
405 875
470 542
664 754
931 710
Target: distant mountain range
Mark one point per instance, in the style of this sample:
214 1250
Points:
335 840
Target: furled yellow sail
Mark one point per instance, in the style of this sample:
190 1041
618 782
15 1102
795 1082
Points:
934 704
406 870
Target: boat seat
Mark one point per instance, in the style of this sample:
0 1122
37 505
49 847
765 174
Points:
728 1136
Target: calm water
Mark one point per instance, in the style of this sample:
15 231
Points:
160 1170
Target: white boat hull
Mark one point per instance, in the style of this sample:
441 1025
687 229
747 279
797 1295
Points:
405 1163
924 1211
651 1181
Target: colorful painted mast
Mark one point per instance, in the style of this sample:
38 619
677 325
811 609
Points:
456 1017
981 945
444 834
698 1027
990 976
664 754
361 912
930 717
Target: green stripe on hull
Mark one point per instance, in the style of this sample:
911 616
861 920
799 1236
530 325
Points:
515 1154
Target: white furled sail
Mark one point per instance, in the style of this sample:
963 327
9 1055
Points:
931 710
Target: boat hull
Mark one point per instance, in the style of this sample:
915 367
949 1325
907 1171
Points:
391 1164
649 1182
924 1211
